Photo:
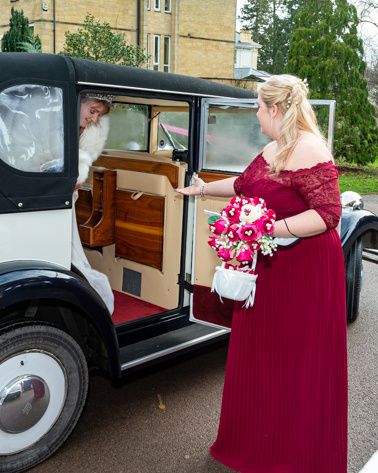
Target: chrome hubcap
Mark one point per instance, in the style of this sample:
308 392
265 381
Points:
33 389
23 402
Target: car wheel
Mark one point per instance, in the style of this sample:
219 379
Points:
354 280
43 388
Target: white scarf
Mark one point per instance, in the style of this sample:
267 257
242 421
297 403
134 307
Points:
91 144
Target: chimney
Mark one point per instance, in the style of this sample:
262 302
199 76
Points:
245 36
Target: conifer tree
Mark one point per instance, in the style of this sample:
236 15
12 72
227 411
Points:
260 18
325 49
270 24
19 34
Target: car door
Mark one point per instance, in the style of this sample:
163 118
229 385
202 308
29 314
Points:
230 138
38 159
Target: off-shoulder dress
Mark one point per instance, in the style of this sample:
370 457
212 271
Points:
284 405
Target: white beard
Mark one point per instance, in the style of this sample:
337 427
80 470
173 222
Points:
91 144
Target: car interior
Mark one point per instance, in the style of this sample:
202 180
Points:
129 216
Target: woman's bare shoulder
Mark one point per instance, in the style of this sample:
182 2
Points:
270 150
310 151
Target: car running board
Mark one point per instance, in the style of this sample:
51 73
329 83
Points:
167 343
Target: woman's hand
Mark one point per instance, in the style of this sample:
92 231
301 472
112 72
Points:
195 188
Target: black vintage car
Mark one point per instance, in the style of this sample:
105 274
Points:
148 240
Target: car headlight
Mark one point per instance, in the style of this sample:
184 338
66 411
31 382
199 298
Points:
352 200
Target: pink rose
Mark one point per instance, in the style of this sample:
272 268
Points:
225 254
270 214
249 232
213 242
235 201
245 256
246 201
268 227
233 232
219 226
255 246
258 201
265 225
231 213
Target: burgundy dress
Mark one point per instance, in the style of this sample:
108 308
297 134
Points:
284 405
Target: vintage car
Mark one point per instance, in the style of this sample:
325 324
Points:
149 240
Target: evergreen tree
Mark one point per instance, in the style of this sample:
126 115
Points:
97 41
256 17
271 24
19 35
325 49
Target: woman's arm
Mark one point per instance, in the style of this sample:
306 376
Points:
319 188
305 224
221 188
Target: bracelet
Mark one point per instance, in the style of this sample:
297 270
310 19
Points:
288 229
202 193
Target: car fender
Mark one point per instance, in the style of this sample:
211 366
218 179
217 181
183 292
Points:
32 280
356 224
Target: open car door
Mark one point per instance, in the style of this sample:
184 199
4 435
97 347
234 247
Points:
230 138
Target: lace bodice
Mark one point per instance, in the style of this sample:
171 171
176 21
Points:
293 192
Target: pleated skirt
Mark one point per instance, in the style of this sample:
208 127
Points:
284 404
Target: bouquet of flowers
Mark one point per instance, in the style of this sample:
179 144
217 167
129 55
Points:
243 228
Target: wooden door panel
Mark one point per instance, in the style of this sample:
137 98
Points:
139 228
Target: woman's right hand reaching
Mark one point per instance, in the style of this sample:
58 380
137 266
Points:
196 188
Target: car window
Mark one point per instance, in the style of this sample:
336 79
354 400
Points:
173 130
31 128
128 128
233 137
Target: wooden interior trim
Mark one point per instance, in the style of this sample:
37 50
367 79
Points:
214 176
98 229
139 228
166 169
83 206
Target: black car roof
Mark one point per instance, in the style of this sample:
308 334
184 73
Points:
28 67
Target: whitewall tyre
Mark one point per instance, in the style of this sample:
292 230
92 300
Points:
43 388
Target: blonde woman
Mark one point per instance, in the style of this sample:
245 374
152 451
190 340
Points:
284 406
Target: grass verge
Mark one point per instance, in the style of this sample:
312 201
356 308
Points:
363 180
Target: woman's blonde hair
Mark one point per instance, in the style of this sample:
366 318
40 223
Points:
289 93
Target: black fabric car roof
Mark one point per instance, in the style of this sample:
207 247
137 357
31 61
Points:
40 67
133 77
26 67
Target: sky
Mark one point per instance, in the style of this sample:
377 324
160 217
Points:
368 32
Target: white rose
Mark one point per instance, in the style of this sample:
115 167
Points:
249 213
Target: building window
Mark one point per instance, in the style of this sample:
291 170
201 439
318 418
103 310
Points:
167 53
168 6
148 4
157 5
148 51
156 52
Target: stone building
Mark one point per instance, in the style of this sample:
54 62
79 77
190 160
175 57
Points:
183 36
